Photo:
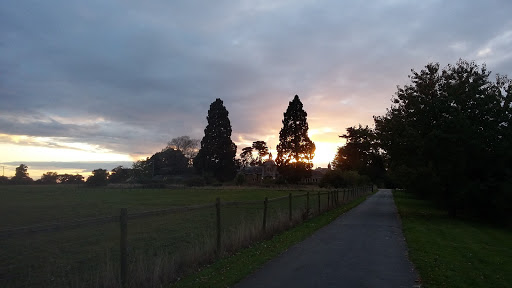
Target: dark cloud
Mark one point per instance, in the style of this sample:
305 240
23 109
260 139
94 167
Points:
130 77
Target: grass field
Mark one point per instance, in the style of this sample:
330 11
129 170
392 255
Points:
452 252
89 256
29 205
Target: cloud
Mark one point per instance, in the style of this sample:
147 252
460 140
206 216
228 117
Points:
130 77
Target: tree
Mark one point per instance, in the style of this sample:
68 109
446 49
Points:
99 177
189 147
262 150
295 150
119 175
142 170
449 130
4 180
246 157
168 162
21 176
70 179
49 178
361 153
217 153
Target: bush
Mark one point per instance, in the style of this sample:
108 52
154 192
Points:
240 179
341 179
4 180
196 181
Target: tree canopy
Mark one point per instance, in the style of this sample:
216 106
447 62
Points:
99 177
295 150
168 162
262 151
361 154
188 146
21 176
70 179
49 178
119 175
247 158
217 153
450 132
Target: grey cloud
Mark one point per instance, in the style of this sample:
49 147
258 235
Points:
150 70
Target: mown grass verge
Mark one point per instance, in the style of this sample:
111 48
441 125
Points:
451 252
231 269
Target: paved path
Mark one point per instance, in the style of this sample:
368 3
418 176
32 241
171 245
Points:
363 248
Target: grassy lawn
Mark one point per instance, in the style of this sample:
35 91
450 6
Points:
454 252
28 205
89 256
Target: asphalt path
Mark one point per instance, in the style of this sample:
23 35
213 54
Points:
365 247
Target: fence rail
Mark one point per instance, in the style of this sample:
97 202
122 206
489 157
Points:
288 208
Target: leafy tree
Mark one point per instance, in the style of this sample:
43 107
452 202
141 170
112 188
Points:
262 149
246 157
217 153
70 179
119 175
99 177
142 170
49 178
361 153
21 176
169 162
295 150
189 147
4 180
449 130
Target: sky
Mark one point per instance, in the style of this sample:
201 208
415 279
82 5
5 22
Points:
97 84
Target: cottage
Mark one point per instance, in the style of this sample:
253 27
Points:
256 174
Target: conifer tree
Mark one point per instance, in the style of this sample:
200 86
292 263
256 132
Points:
217 154
295 150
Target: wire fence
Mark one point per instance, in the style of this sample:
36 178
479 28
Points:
151 248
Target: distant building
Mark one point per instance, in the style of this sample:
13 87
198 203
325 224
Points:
316 175
256 174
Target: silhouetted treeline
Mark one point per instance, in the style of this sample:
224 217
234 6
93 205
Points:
446 137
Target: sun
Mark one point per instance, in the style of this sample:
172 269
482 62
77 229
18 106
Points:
324 153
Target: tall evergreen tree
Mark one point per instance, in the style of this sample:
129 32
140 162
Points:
295 150
217 153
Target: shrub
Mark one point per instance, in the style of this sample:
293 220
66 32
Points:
195 181
339 179
240 179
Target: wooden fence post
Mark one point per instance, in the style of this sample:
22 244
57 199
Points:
265 205
217 207
123 221
307 204
318 202
328 199
290 207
